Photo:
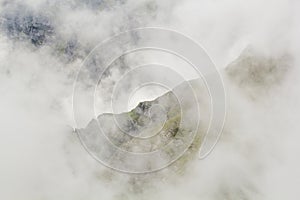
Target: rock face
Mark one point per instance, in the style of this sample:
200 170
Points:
166 128
165 125
256 73
23 25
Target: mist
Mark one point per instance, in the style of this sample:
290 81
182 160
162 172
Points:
253 44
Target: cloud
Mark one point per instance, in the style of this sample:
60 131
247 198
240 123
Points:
41 157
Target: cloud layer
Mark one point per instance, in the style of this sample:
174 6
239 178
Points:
42 45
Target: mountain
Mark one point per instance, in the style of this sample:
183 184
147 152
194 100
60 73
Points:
153 135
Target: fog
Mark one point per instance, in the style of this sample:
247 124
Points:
41 157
